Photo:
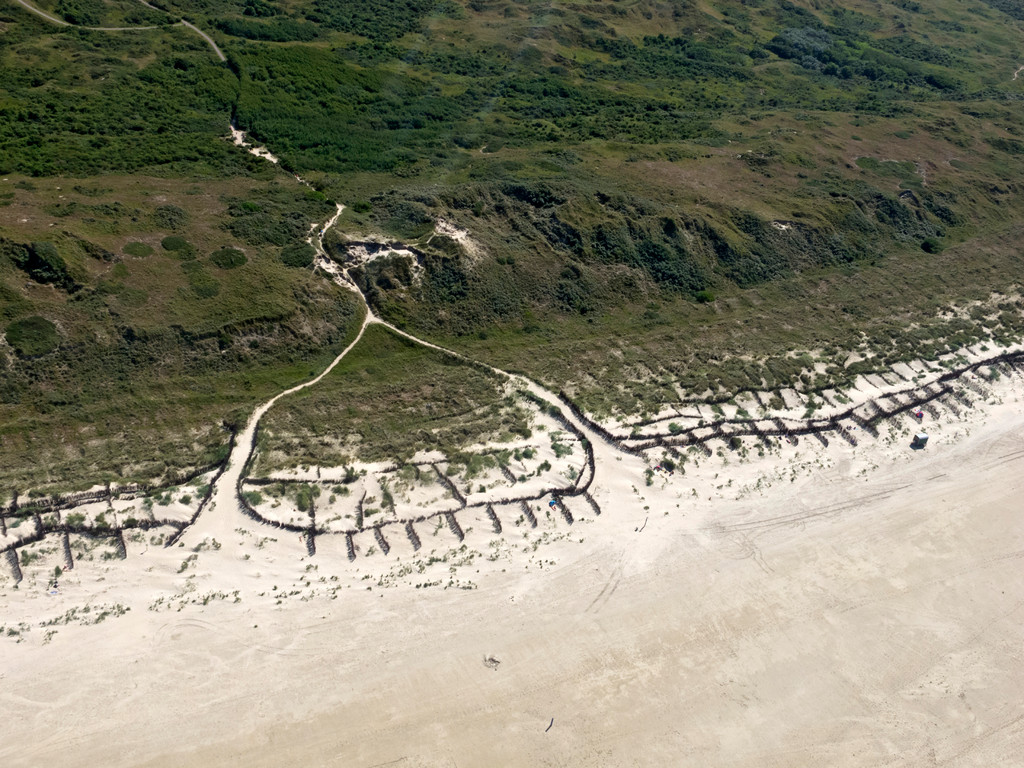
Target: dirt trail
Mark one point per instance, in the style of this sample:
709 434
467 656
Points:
225 494
181 23
243 446
206 37
54 20
216 523
222 515
520 381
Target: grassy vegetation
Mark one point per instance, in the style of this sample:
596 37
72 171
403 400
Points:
105 13
798 332
228 258
32 336
667 197
82 103
127 364
385 401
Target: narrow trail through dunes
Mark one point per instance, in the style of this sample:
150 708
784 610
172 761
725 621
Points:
221 516
206 37
225 494
180 23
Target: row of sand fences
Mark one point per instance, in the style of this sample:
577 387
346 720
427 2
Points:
368 508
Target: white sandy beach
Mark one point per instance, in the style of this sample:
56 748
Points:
820 606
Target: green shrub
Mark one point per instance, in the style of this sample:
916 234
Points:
305 495
379 20
83 12
95 251
277 31
175 243
931 245
32 336
179 246
41 262
206 289
705 296
170 217
139 250
228 258
298 255
255 498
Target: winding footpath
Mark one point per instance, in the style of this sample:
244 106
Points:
206 37
180 23
224 511
222 514
604 447
227 486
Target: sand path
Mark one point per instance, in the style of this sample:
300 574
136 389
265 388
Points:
216 50
223 515
181 23
862 611
881 627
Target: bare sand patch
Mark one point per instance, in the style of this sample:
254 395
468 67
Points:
840 605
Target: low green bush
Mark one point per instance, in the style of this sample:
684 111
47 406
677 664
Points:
228 258
206 289
32 336
170 217
175 243
41 262
179 246
298 255
139 250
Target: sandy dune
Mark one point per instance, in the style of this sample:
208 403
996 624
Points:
856 607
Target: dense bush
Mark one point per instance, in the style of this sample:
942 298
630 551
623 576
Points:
170 217
298 255
375 19
671 266
1011 8
101 112
275 30
94 251
841 53
139 250
175 243
32 336
84 12
41 262
228 258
